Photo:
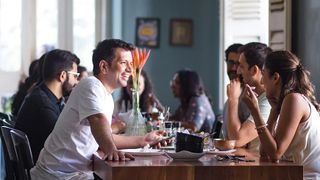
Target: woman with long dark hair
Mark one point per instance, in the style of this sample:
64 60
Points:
147 102
195 111
292 131
25 87
147 96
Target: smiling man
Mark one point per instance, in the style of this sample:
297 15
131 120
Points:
251 61
85 122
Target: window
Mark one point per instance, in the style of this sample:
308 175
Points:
243 21
47 26
28 28
10 35
84 31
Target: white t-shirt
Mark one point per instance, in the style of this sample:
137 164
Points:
70 146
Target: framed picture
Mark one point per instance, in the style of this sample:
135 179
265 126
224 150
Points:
148 32
181 32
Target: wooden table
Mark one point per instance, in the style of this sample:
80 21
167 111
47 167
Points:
207 167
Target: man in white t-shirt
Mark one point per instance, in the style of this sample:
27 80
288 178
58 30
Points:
85 122
251 60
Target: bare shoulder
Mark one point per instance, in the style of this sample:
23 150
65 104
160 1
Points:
293 97
295 100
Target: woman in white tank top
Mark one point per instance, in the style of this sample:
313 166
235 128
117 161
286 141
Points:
293 128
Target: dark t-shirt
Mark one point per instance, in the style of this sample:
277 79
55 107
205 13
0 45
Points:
37 117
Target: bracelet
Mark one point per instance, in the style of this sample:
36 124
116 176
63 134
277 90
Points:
262 126
261 130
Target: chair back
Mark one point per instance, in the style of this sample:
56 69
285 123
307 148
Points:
7 120
23 152
217 126
5 130
10 157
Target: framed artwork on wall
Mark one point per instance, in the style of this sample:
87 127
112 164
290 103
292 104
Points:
181 32
148 32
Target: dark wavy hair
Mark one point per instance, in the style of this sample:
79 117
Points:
232 48
57 61
105 50
294 78
148 89
24 88
191 85
255 53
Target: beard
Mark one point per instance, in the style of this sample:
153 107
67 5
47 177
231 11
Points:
66 87
232 75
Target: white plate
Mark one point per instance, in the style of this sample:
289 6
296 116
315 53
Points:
216 151
143 152
184 155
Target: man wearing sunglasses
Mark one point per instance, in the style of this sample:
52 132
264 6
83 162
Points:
42 107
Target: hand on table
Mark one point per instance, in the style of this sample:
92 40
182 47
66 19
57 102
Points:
116 155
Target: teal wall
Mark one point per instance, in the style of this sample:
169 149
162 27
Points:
306 37
203 56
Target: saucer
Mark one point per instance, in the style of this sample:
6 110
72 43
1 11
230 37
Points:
143 152
184 155
216 151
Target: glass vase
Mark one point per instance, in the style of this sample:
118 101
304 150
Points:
136 125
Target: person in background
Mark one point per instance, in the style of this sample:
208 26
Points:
292 131
148 101
24 88
83 72
85 122
232 60
42 107
251 61
195 111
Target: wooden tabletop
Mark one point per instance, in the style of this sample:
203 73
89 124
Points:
207 167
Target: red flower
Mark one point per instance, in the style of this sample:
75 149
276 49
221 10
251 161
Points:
138 61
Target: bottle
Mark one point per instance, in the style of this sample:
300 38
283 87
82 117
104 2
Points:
149 124
161 119
168 128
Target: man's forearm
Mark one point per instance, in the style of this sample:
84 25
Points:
122 142
100 129
233 124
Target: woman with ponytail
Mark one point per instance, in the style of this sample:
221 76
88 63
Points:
293 128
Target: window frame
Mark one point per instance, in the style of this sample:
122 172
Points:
65 36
